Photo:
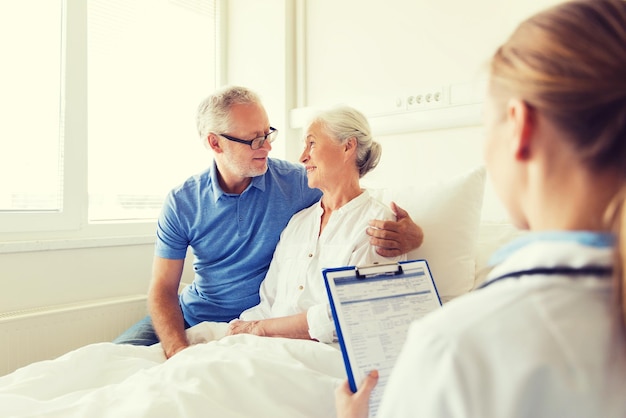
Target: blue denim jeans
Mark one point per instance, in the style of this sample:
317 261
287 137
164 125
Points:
141 333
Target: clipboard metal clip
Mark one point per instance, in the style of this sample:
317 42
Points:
363 272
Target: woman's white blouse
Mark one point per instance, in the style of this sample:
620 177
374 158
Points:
294 281
539 345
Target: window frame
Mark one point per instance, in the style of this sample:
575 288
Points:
70 227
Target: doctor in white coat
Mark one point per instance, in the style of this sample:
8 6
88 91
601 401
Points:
544 336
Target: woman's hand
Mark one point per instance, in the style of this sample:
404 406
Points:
292 326
355 405
238 326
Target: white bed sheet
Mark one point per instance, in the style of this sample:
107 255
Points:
235 376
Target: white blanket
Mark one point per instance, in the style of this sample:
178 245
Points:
235 376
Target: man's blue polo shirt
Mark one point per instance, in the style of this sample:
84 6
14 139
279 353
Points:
232 236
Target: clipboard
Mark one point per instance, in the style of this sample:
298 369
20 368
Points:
373 307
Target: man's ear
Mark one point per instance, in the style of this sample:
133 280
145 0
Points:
521 116
213 143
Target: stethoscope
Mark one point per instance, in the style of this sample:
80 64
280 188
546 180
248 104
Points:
564 271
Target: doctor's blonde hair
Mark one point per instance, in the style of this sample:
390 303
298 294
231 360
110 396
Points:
570 63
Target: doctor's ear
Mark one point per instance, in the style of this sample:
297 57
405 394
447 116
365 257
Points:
522 118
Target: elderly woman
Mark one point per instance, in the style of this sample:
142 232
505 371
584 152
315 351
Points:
338 151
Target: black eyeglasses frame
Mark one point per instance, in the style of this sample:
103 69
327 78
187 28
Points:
260 140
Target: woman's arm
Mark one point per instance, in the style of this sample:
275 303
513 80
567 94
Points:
293 326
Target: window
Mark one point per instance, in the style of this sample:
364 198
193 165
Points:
30 105
149 63
101 109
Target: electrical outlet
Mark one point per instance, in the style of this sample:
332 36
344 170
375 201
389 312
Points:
427 98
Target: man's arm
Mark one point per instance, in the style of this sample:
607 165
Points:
167 318
395 238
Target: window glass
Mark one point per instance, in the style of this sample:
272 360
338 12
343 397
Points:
150 63
30 104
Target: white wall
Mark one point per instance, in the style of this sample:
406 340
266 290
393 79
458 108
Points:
360 51
365 47
66 276
260 56
45 278
357 51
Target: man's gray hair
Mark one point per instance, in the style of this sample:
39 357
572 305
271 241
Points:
214 111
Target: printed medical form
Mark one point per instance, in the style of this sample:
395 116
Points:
373 307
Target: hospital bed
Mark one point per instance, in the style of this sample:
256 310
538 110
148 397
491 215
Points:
246 375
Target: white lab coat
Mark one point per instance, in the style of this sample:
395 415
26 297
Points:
536 345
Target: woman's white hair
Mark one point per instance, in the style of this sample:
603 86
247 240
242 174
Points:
344 122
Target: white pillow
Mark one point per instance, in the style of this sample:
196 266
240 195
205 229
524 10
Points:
449 214
492 235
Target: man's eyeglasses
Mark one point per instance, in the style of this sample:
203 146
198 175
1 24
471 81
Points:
257 142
